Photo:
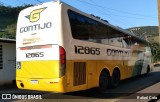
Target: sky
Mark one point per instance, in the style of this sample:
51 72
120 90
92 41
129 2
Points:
122 13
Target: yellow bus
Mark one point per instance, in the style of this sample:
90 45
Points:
62 49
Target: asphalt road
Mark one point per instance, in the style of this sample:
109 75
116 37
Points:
126 88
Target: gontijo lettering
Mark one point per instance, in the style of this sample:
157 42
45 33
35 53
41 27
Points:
113 52
35 27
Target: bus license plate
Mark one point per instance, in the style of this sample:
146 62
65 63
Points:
34 81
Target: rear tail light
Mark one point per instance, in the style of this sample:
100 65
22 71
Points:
62 56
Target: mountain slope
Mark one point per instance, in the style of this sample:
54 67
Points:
8 18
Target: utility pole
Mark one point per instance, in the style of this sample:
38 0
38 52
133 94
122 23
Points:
158 1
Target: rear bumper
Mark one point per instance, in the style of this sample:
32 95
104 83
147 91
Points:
55 85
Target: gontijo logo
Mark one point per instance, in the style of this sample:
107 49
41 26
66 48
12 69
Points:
35 15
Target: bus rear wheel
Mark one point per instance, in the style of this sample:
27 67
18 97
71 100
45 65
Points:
103 81
115 79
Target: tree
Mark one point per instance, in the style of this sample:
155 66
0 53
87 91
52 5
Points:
8 19
157 55
11 30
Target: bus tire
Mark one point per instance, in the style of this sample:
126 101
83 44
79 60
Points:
104 80
115 79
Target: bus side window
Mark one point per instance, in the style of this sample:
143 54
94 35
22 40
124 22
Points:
134 42
104 41
79 28
116 42
126 42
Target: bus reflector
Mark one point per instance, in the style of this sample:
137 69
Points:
51 82
19 81
62 57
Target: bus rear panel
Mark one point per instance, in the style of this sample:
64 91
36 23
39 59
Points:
41 59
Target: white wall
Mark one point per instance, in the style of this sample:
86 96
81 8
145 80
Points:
8 73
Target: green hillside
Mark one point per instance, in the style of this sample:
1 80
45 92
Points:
8 20
5 21
7 16
144 31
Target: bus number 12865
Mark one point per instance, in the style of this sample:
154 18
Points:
86 50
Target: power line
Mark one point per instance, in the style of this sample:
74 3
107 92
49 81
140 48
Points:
39 1
99 11
117 10
109 13
119 15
